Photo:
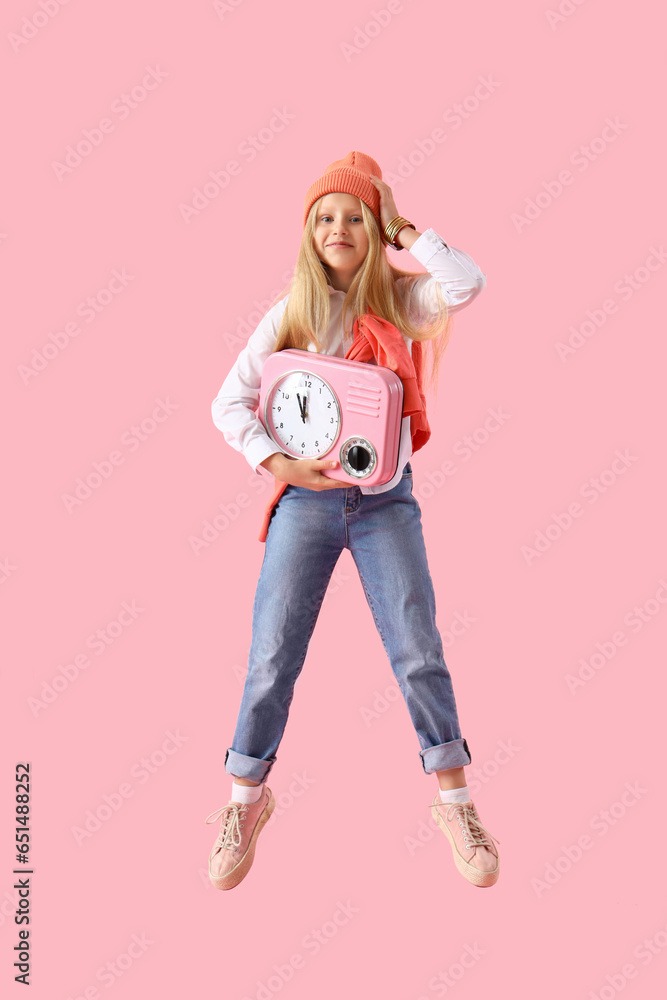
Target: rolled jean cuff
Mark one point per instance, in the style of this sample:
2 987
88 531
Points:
455 753
239 765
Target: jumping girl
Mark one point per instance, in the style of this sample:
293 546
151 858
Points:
342 271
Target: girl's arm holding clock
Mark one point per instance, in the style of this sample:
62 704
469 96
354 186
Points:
302 471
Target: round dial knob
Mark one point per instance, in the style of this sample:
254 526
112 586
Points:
358 457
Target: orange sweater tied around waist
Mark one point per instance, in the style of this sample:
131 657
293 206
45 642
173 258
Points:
378 338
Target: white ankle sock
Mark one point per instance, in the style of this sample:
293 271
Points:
246 793
455 794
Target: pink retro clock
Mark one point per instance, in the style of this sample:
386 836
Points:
316 406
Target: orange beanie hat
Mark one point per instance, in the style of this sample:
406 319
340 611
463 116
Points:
351 175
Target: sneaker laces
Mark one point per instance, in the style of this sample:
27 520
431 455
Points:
472 829
230 828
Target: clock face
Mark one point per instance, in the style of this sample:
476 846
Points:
302 414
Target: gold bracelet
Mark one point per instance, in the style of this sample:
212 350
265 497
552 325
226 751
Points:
393 228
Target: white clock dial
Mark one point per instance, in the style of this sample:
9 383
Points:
303 415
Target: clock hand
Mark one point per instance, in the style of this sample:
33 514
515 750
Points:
302 407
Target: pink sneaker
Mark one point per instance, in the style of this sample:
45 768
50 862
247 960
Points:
474 854
240 825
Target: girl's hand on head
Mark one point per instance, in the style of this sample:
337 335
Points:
388 210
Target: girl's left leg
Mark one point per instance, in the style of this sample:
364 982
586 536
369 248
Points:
384 535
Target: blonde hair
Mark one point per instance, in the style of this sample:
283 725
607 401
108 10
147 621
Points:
373 288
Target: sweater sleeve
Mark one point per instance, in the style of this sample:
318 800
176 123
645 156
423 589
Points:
234 408
459 277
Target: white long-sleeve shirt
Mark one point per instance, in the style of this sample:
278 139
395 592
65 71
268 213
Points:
233 409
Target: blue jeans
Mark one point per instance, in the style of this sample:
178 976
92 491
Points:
307 533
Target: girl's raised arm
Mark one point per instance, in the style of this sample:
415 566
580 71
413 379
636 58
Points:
459 277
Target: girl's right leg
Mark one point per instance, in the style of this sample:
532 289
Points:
301 549
305 538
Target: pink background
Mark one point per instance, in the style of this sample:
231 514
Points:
350 855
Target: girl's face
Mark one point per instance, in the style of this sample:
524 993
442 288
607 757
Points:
341 241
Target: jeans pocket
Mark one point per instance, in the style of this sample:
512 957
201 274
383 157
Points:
407 472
